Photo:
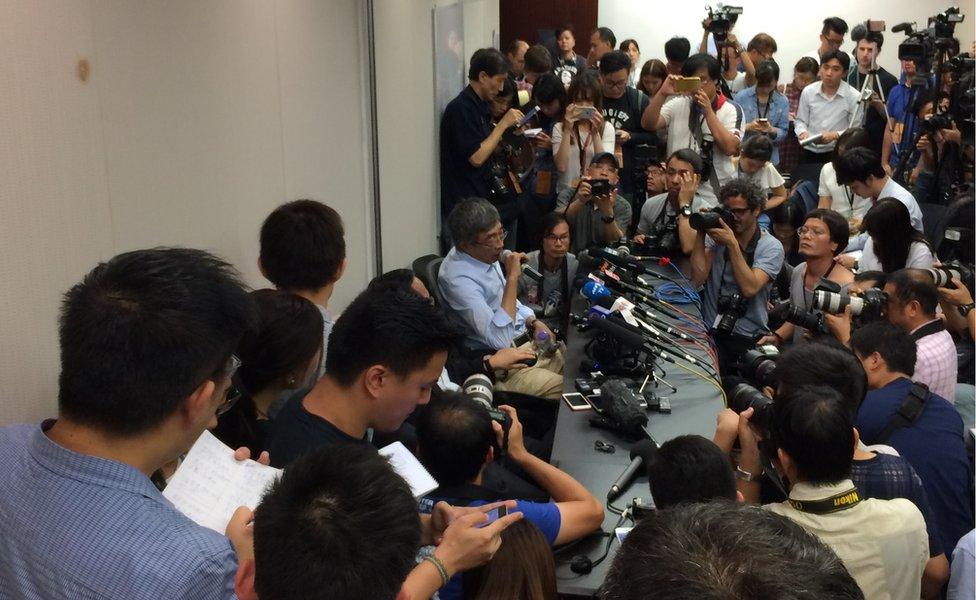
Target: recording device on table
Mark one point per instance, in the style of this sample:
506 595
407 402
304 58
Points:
479 388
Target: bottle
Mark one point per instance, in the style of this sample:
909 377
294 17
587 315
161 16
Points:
544 345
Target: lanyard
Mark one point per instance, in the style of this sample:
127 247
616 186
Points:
850 198
582 146
835 503
769 101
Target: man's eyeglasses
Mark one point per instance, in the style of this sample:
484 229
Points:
495 238
805 230
616 84
740 212
558 238
233 394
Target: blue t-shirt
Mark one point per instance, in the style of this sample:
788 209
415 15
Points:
934 446
544 515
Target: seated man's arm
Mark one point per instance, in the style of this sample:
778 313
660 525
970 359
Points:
494 325
580 512
701 260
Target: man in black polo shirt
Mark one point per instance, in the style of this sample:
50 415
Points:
468 138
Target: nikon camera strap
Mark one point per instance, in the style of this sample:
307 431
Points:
836 503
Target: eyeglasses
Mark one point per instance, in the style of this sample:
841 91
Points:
805 230
740 212
495 238
615 84
558 238
233 394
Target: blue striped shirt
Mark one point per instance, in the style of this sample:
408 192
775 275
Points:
80 527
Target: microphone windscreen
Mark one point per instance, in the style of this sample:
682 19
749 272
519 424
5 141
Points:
646 449
594 290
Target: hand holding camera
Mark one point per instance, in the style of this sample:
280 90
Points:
516 444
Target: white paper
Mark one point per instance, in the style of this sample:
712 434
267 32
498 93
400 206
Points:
210 484
407 466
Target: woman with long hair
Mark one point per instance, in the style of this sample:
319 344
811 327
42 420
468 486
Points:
550 298
523 569
892 241
584 132
632 50
652 76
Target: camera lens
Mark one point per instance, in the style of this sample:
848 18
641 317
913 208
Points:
703 221
479 388
745 396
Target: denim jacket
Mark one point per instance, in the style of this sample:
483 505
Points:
778 115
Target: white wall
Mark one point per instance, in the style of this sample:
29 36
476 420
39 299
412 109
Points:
408 149
199 118
795 25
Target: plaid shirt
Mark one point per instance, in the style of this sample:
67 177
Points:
887 477
789 148
936 364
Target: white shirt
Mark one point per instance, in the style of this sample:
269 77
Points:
572 172
919 257
738 83
891 189
767 178
842 199
818 113
883 543
676 114
814 54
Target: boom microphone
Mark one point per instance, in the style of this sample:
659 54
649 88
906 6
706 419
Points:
641 455
903 27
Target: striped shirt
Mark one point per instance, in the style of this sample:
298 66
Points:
936 364
80 527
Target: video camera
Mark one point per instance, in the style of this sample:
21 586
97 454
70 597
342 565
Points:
922 46
723 18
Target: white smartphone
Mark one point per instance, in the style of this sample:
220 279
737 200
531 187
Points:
576 402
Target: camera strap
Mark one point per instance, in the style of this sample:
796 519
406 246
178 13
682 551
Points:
909 411
928 329
836 503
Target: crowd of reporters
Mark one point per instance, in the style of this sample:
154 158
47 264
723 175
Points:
842 325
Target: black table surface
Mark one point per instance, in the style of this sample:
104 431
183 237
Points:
693 411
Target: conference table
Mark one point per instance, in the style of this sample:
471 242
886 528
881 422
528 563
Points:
693 411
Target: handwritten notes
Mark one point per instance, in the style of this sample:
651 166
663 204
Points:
210 484
407 466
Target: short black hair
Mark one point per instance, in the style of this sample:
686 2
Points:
835 24
917 285
762 42
607 36
142 331
853 137
537 59
489 61
513 46
454 434
749 191
398 330
397 280
288 335
842 57
624 45
857 164
757 147
719 550
689 156
837 226
323 529
677 49
614 61
874 36
878 277
814 425
892 343
302 245
690 468
548 87
767 72
815 363
697 62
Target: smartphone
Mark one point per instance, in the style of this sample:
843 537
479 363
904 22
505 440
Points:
687 84
527 116
532 133
763 121
495 514
576 402
584 113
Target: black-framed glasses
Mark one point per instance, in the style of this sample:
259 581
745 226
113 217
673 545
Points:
233 393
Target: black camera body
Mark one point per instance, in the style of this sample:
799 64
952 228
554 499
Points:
600 187
662 240
759 366
745 396
730 307
710 219
723 19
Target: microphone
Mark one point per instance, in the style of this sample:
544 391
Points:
526 269
615 258
906 26
640 455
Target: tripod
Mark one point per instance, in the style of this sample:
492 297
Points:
870 86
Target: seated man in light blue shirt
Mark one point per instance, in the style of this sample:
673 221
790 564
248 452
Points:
485 297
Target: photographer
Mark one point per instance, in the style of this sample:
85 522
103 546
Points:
730 55
704 121
957 306
583 132
664 218
736 263
883 543
822 237
457 440
598 215
622 107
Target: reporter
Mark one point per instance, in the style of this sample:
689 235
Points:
763 101
822 237
602 219
957 306
523 568
837 197
893 243
652 75
690 469
804 73
579 138
551 298
670 211
754 165
549 95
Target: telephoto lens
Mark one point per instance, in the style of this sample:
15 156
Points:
479 388
944 275
703 221
744 396
787 311
869 304
759 367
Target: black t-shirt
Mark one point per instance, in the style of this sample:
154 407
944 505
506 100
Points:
240 426
624 113
466 123
874 123
296 432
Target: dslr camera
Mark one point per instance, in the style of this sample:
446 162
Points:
703 221
663 240
479 388
868 306
730 308
723 19
759 366
812 321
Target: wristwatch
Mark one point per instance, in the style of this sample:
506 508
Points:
685 210
607 220
744 475
965 308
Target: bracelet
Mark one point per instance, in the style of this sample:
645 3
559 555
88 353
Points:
743 475
779 337
440 568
